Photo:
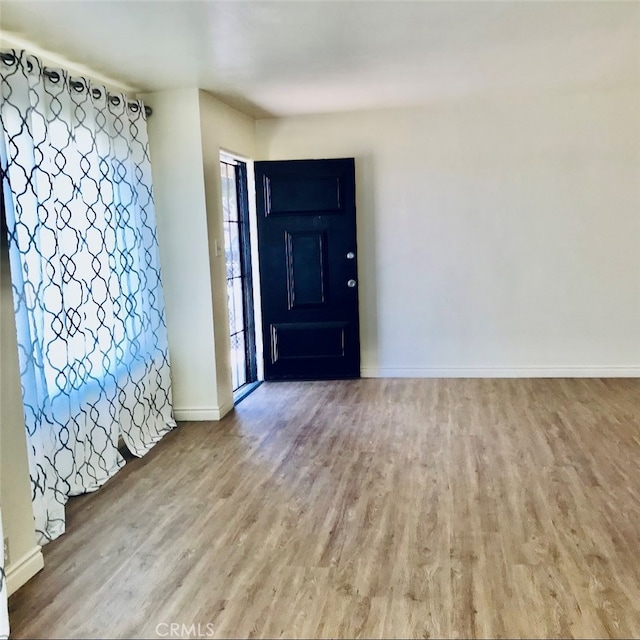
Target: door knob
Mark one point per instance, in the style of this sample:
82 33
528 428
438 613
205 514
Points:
351 284
351 255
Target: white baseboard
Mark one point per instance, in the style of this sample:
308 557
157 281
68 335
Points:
499 372
224 408
186 414
19 572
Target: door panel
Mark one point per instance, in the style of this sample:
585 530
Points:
307 340
308 268
297 194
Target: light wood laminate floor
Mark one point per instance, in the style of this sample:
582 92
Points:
367 508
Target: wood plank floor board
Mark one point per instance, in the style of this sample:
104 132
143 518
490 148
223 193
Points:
364 508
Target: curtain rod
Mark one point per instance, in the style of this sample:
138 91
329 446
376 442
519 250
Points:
10 59
12 40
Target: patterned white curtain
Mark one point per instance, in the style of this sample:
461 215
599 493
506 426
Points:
4 614
86 279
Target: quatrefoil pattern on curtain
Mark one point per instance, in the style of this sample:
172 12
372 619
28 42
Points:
86 279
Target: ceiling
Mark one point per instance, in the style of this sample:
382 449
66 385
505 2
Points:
282 58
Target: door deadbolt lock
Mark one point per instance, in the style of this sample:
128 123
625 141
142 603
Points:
351 283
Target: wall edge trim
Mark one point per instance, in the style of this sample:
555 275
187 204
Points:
196 414
503 372
21 571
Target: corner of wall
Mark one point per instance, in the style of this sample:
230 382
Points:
21 571
222 128
181 210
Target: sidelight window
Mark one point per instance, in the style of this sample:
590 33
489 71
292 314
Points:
238 272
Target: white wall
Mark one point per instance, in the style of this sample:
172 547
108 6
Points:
222 128
496 236
178 181
25 556
187 130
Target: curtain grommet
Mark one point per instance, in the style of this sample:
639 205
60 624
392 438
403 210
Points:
9 59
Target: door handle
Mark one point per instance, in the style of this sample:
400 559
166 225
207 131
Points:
351 255
351 283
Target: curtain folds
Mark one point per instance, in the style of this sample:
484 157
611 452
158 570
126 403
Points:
86 280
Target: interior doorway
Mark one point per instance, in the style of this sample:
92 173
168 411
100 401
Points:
237 246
